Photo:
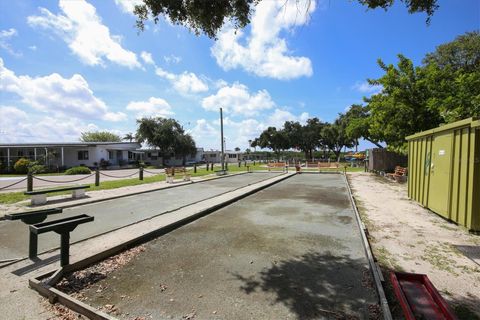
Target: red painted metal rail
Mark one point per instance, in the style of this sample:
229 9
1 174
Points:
418 297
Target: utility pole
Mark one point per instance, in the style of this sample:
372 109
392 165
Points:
221 141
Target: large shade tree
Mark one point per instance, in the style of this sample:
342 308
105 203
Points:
99 136
274 139
335 136
443 89
306 138
166 135
357 119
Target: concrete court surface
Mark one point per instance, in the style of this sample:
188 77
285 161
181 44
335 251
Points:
291 251
112 214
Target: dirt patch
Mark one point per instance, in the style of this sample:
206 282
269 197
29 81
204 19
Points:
405 236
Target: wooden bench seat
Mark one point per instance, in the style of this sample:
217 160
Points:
399 175
330 165
276 165
40 196
171 172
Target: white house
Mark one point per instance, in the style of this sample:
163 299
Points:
69 154
216 156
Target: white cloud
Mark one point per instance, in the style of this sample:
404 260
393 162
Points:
365 87
82 29
155 107
203 130
18 127
57 95
5 36
279 117
172 59
33 48
238 100
127 6
147 57
266 53
184 83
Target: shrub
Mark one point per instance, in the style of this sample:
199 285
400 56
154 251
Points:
21 166
78 170
37 168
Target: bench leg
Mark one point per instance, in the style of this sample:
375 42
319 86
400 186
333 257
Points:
64 249
78 193
33 245
39 199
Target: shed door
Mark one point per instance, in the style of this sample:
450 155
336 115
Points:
440 174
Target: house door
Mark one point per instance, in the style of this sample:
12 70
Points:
440 174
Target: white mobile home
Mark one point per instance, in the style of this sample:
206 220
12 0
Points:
216 156
65 155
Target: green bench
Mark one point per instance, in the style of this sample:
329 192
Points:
31 217
63 227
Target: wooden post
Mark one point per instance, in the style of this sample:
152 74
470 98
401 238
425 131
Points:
140 173
29 181
194 168
211 166
97 176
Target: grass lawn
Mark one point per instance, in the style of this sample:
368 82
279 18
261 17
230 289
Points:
12 197
5 175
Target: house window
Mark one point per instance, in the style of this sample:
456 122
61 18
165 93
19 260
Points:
213 155
31 154
82 155
153 157
20 153
232 156
110 154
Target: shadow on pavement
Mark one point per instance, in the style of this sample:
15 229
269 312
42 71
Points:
37 264
319 285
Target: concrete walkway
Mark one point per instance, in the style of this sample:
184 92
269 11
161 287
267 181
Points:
20 302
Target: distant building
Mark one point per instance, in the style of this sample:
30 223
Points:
216 156
153 157
65 155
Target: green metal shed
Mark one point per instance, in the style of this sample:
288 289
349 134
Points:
444 171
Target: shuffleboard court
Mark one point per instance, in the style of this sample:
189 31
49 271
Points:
291 251
113 214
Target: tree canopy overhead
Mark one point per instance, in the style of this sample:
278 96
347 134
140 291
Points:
208 17
99 136
200 16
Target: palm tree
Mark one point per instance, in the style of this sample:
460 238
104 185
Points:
129 136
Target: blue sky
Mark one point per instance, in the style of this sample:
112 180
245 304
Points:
73 66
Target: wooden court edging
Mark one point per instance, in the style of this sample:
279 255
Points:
44 284
377 274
